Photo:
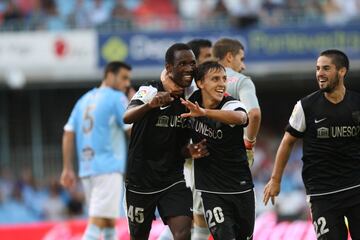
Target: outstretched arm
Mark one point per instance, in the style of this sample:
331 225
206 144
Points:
272 188
225 116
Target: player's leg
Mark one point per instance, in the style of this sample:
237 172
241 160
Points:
175 210
103 194
244 205
140 214
219 214
328 222
353 217
201 230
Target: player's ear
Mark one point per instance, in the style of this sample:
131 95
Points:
169 68
229 57
342 72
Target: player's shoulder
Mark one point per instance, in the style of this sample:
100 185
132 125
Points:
230 103
312 97
233 76
353 94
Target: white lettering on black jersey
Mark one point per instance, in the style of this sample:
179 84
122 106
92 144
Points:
331 141
226 169
155 160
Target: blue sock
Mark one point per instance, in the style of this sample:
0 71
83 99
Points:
92 232
109 233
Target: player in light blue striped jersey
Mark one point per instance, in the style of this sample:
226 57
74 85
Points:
96 132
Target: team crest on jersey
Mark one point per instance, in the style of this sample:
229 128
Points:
163 121
323 132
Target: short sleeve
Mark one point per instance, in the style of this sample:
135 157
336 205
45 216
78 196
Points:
121 103
144 95
297 118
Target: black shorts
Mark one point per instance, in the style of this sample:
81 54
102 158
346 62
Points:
329 212
230 216
174 201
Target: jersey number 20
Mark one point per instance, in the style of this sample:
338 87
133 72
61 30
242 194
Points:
217 214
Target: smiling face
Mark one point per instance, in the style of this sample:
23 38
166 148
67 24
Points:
213 85
329 78
183 69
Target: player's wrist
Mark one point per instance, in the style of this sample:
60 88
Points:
249 143
276 179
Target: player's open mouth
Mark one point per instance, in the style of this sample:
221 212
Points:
188 77
322 80
222 90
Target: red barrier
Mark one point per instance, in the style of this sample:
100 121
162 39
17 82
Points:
266 228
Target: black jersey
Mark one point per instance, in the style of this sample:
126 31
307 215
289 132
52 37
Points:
226 169
331 142
155 160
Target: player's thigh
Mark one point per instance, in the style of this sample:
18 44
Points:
244 206
140 210
103 195
219 216
329 224
353 217
175 201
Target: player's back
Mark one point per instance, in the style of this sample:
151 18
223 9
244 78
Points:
100 140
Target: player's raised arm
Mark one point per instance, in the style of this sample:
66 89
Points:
143 101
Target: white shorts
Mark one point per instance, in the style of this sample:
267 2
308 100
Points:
198 207
103 194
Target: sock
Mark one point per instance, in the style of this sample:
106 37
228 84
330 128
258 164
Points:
109 233
200 233
166 234
92 232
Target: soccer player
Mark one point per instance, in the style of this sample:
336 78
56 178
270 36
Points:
328 121
202 51
223 177
96 129
156 153
230 53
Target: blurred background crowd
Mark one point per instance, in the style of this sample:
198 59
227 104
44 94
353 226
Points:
172 14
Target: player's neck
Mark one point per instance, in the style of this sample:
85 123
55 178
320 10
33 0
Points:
224 63
337 95
209 103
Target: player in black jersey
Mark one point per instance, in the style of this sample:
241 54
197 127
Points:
223 177
155 168
328 120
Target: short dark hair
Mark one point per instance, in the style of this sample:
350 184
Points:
197 44
170 53
225 45
115 66
206 67
338 58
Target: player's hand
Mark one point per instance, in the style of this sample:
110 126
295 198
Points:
161 99
198 150
68 178
249 146
271 190
195 109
